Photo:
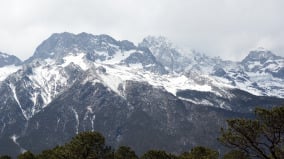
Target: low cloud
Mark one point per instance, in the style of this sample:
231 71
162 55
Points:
225 28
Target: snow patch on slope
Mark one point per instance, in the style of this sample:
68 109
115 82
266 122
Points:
117 58
77 120
201 102
49 81
25 114
7 70
116 75
91 116
78 59
14 139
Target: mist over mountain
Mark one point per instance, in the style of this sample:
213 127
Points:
150 96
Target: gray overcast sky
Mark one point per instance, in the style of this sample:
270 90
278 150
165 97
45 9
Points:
225 28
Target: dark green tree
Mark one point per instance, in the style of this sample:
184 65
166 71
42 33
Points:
59 152
200 152
124 152
26 155
86 145
158 154
262 137
235 154
185 155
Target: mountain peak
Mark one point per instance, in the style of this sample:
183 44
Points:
261 55
60 44
262 61
95 48
6 59
158 41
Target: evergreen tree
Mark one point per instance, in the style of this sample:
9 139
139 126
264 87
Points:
26 155
59 152
89 145
200 152
262 137
124 152
158 154
235 154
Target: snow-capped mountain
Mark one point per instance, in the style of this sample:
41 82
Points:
8 65
6 60
180 60
263 61
85 82
260 73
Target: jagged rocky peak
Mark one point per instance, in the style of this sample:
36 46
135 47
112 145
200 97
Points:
260 55
6 59
84 49
160 46
166 53
158 41
59 45
264 61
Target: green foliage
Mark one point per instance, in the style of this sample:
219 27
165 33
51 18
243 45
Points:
58 152
262 137
124 152
26 155
235 154
200 152
86 144
158 154
91 145
185 155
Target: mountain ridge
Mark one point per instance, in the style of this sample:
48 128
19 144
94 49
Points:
84 82
6 59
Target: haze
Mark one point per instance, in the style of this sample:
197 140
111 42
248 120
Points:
225 28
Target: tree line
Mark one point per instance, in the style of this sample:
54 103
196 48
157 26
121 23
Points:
261 138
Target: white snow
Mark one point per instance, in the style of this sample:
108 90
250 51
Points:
117 74
89 108
89 111
4 55
91 116
92 122
13 88
7 70
78 59
34 100
47 79
57 123
253 64
112 81
201 102
118 57
14 139
77 120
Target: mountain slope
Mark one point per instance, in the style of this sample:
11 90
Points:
132 94
8 65
6 60
260 73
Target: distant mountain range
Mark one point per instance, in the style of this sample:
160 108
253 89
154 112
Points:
150 96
